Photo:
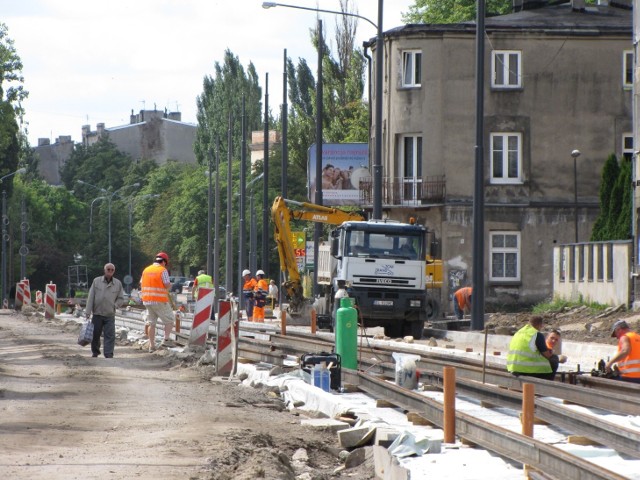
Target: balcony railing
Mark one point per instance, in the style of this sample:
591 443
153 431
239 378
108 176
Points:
405 191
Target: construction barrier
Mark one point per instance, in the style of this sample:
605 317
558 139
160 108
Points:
38 297
26 292
19 294
227 337
202 317
50 301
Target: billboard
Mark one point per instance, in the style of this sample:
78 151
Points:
344 165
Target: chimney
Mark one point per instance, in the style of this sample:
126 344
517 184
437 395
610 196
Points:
64 139
43 141
177 116
100 127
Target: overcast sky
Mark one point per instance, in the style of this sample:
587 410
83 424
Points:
88 61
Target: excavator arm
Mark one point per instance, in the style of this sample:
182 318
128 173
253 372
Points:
282 212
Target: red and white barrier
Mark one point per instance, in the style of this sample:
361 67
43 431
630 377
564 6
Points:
19 294
227 338
50 301
202 317
38 297
26 292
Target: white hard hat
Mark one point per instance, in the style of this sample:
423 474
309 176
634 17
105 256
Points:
246 272
260 272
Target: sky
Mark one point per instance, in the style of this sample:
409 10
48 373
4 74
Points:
87 62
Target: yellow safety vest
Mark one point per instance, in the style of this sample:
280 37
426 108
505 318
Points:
523 356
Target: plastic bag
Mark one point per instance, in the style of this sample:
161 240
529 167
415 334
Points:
86 334
406 370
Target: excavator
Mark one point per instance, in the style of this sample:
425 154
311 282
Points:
382 262
282 212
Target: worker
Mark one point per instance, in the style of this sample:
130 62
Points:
247 290
528 352
202 280
553 341
462 301
155 297
273 293
260 292
627 357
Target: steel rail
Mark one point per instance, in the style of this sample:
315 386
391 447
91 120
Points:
547 459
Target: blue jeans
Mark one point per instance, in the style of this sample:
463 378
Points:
108 325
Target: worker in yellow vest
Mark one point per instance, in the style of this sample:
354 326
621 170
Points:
202 280
260 293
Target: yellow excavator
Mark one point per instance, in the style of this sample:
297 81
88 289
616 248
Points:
282 212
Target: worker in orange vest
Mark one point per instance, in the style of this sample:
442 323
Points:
247 290
260 293
462 301
628 355
155 297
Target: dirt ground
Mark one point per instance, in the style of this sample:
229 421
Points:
580 324
65 415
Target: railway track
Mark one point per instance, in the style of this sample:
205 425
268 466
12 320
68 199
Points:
489 385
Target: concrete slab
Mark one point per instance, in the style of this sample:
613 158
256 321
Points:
325 424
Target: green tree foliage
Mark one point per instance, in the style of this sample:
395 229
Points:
222 97
452 11
12 93
614 221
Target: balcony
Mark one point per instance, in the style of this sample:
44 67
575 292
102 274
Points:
405 191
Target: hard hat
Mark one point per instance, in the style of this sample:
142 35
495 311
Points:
162 256
260 272
246 272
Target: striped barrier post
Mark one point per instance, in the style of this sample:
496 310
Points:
26 292
19 294
202 317
50 301
227 338
38 297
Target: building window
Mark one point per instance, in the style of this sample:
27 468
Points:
505 256
411 68
411 164
627 69
506 158
627 146
506 66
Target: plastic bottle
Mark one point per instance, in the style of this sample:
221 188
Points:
317 375
325 378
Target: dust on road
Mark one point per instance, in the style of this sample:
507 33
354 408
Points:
65 415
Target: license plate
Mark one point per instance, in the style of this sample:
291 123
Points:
383 303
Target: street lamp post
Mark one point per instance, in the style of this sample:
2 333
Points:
377 159
131 202
91 213
575 154
5 236
253 234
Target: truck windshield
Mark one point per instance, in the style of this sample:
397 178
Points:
384 245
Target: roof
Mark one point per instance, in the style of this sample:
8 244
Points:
560 19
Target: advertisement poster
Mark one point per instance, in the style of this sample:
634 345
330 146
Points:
344 166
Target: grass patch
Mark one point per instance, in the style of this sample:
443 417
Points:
560 305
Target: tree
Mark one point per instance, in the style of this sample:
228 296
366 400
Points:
603 226
452 11
12 93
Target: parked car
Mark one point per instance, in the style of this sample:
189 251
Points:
187 289
177 283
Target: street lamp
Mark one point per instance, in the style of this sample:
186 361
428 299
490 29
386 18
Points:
575 154
377 160
253 234
91 213
131 202
5 236
109 196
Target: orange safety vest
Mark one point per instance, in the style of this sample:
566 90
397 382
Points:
462 296
248 287
262 288
630 365
153 289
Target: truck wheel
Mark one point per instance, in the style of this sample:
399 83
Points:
432 308
394 330
415 329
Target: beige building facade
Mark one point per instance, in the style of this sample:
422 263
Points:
557 79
